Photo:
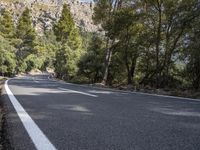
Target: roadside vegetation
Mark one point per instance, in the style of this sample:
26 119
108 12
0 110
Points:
152 44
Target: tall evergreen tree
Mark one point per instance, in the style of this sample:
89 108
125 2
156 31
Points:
7 51
68 35
91 63
7 57
26 33
65 25
7 28
25 30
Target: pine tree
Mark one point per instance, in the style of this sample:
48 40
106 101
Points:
7 27
68 35
65 62
7 51
91 63
25 30
65 25
7 57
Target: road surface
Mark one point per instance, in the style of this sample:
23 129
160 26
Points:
45 114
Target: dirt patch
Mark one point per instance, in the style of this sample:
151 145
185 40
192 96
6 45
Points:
35 72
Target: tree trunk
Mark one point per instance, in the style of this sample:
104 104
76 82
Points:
108 59
131 74
130 78
158 46
114 5
196 84
107 65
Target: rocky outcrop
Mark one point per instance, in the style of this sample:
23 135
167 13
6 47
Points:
46 12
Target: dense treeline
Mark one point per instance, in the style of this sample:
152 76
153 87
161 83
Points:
154 43
20 47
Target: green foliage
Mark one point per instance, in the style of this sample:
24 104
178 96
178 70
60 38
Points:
146 43
102 11
46 49
43 55
71 50
7 28
86 38
147 38
7 51
193 56
128 30
33 62
66 62
90 64
65 25
7 57
26 32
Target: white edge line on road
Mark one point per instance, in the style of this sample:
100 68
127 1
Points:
167 96
130 92
79 92
37 136
35 80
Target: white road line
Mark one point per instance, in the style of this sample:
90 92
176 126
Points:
79 92
36 81
167 96
49 78
37 136
130 92
33 78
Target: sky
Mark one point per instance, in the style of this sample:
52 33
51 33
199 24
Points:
86 0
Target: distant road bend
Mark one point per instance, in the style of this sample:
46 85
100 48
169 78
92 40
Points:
43 114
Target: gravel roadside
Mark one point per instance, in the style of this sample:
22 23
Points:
2 80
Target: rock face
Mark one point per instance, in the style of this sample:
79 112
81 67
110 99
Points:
46 12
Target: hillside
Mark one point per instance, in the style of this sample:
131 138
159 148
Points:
46 12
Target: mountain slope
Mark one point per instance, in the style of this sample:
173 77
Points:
46 12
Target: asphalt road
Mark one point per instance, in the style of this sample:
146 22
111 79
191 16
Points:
72 117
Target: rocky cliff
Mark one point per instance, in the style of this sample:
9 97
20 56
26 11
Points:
46 12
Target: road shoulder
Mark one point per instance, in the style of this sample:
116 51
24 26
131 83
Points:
4 141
